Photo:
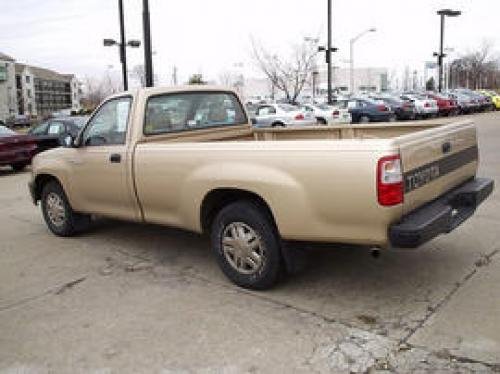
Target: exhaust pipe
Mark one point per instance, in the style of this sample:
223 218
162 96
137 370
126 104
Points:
375 252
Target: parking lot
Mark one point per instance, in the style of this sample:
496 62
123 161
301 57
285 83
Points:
141 298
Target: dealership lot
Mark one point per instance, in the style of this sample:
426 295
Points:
135 298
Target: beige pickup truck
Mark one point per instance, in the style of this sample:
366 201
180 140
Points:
189 157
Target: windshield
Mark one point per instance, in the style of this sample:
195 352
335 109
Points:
4 131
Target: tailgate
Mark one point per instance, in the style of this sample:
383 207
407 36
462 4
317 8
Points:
437 160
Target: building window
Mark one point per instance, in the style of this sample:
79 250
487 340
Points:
29 93
27 79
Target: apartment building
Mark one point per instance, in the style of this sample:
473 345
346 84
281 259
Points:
35 91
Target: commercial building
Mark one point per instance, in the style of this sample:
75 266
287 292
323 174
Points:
365 80
35 91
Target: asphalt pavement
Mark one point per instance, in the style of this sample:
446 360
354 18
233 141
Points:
128 298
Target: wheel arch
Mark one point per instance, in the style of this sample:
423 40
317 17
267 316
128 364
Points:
40 181
218 198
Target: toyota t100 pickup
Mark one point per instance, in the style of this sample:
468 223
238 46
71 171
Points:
189 157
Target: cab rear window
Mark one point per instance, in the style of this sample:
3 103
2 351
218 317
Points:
190 111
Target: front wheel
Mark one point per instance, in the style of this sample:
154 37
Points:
247 245
60 218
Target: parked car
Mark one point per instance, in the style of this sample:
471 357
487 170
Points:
424 107
16 150
19 120
273 115
252 192
494 96
446 105
329 114
51 134
480 102
365 110
465 104
404 110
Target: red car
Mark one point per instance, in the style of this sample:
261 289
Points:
16 150
445 105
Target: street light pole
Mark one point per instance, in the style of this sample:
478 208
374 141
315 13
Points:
440 56
351 56
148 59
123 52
122 45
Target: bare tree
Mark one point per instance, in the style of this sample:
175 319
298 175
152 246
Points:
96 89
477 69
288 75
138 72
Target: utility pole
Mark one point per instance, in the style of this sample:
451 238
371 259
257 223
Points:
148 58
122 46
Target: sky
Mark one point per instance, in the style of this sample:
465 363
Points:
214 36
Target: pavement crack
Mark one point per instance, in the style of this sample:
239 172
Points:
58 290
66 286
484 260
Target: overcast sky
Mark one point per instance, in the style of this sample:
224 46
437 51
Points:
211 36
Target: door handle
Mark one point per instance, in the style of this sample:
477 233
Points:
115 158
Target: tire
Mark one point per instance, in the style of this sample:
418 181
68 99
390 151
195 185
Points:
60 218
321 121
393 118
278 124
254 231
19 166
364 119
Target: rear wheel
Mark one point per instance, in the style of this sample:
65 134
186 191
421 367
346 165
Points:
278 124
60 218
19 166
247 245
321 121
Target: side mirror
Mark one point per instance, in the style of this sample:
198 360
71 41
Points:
253 120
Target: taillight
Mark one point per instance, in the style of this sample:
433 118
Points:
336 113
389 181
299 117
381 108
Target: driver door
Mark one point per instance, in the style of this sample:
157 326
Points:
100 180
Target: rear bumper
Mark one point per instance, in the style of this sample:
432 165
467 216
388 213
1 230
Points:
441 215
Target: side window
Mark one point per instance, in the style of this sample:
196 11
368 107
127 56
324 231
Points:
191 111
109 124
40 129
272 110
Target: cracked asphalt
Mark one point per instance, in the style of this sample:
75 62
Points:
127 298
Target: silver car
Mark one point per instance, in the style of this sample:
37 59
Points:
329 114
273 115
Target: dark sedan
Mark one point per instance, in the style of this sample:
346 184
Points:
367 110
51 134
402 109
16 150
